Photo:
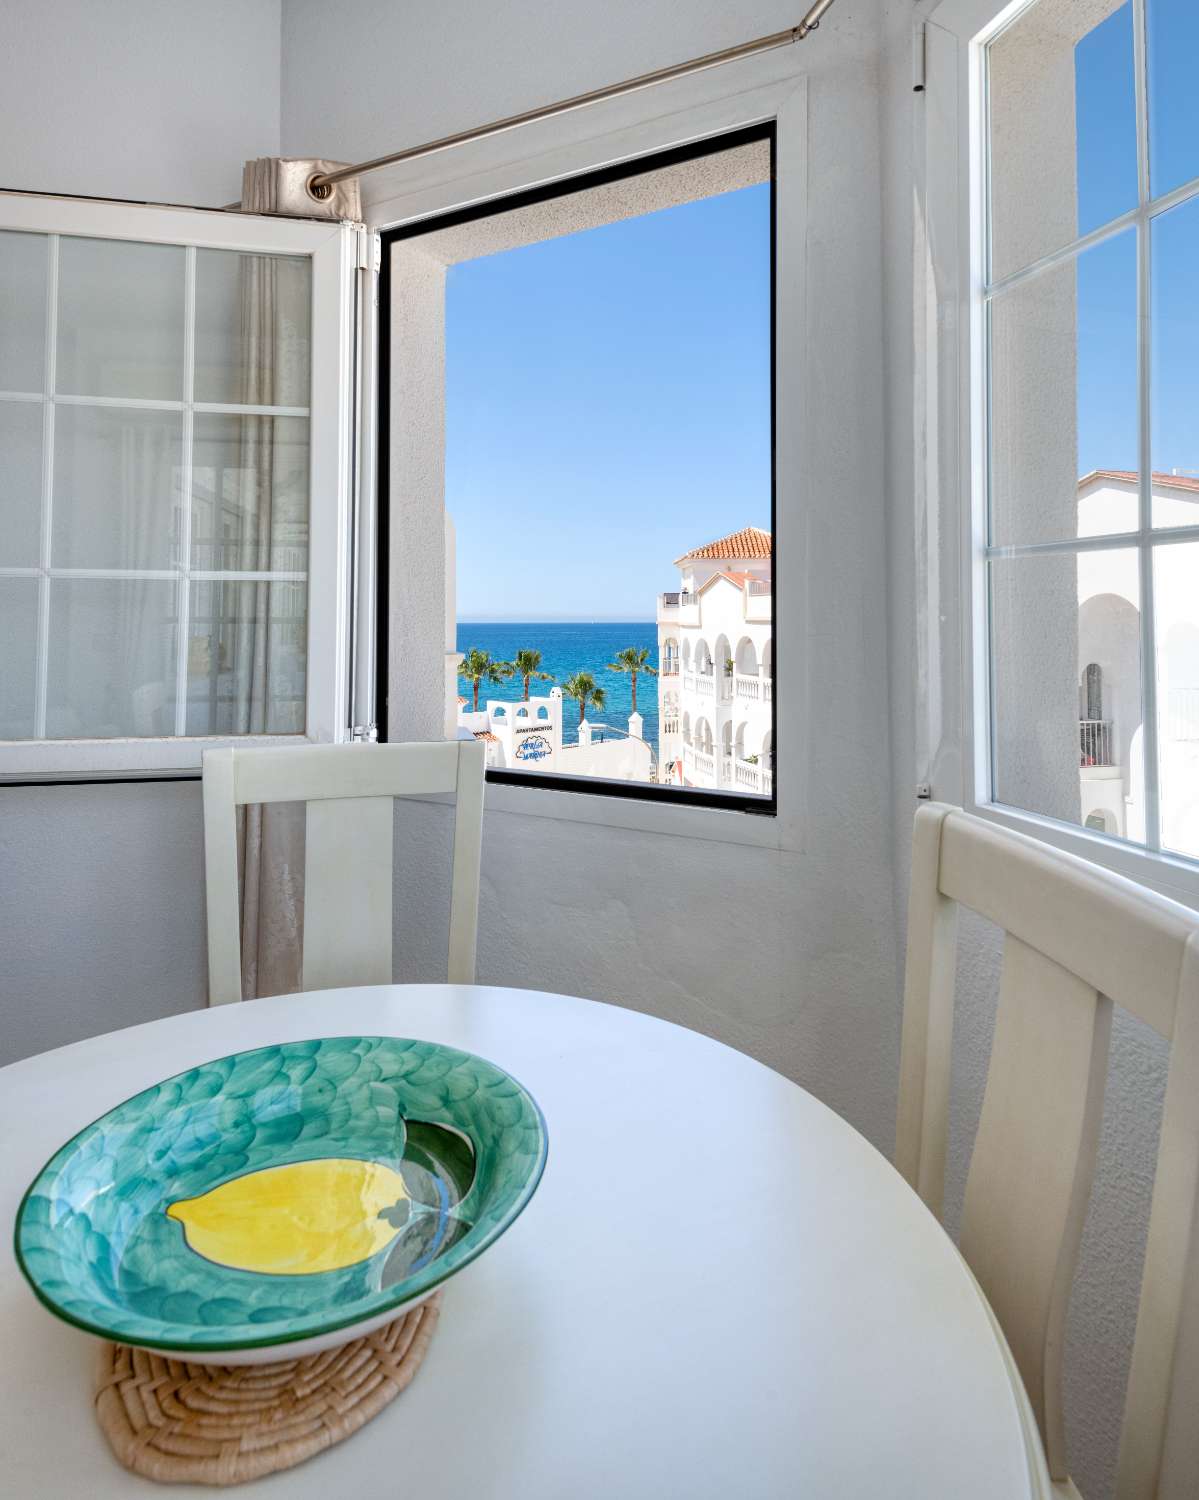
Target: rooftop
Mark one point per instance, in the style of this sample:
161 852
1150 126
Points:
750 542
1126 476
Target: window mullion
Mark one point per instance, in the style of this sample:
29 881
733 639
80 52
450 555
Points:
1145 439
49 376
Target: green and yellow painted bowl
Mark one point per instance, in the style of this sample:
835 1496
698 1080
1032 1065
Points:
295 1195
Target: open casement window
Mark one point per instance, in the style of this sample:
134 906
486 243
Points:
1064 219
174 511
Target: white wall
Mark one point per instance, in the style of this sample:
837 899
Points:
790 956
151 99
101 888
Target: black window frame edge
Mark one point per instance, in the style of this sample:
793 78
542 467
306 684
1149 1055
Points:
650 792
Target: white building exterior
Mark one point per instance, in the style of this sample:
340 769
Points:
716 667
527 736
1110 704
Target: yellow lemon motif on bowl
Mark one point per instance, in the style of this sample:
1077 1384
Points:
298 1219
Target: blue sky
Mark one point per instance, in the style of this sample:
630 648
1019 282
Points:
1107 288
607 408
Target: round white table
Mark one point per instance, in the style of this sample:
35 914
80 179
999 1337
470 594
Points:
720 1289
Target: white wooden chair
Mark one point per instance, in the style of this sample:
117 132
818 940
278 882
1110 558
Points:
1077 939
349 791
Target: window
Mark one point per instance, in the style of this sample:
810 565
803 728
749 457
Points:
159 423
608 469
1089 545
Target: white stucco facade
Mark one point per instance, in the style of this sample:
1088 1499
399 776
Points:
527 736
716 668
1109 664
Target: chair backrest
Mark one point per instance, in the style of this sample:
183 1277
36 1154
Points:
350 792
1077 940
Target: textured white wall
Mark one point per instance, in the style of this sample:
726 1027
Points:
152 99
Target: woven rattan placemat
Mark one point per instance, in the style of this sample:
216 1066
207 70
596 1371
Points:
225 1424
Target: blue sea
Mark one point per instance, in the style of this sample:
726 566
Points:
567 647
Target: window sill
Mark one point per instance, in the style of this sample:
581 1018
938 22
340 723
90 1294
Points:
39 762
717 825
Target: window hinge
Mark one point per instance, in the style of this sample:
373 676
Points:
370 253
364 734
924 792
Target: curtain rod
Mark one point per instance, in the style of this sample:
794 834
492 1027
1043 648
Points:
321 185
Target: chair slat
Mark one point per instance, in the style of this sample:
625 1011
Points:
348 892
922 1130
468 846
1162 1409
1123 939
308 773
220 872
1033 1164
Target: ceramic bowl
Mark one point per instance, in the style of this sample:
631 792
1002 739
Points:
281 1201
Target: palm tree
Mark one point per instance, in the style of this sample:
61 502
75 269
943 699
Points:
633 659
582 688
525 665
477 667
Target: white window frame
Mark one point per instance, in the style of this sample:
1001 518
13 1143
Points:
749 91
334 250
953 634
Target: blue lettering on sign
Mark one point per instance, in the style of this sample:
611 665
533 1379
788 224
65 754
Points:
534 747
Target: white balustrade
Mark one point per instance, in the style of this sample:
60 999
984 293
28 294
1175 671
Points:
747 687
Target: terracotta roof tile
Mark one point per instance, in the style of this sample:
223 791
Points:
486 734
1160 481
751 541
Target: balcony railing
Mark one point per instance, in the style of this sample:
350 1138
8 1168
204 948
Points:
699 762
669 667
1095 739
753 778
670 724
747 686
699 683
1182 714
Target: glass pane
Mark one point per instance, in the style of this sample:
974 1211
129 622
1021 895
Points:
250 494
18 662
116 487
1062 104
1173 40
253 317
23 259
1175 387
1176 602
112 667
1064 400
20 483
1066 684
120 319
246 658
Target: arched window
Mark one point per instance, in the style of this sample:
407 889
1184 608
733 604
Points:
746 658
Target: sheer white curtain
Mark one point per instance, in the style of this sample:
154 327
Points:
271 838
